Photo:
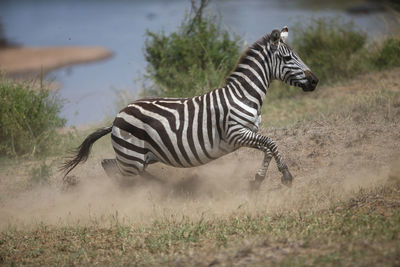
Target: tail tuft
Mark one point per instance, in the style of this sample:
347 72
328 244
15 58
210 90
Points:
83 151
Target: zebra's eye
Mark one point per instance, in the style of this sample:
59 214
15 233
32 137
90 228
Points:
287 58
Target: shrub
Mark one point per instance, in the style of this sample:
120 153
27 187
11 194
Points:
192 60
28 118
331 48
387 55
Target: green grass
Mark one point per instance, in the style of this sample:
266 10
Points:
360 231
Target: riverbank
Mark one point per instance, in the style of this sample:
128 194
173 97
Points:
23 62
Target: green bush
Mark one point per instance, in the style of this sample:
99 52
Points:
331 48
387 55
196 58
28 118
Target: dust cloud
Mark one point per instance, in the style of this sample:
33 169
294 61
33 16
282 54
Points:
217 189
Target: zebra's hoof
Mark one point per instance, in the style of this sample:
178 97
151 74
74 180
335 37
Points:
255 185
110 167
287 178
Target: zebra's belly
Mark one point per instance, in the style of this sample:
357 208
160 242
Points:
184 153
173 149
204 158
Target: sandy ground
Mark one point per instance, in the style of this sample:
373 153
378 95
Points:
32 61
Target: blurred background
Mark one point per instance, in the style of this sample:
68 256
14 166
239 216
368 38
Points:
89 90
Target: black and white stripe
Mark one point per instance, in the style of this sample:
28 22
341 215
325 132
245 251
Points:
190 132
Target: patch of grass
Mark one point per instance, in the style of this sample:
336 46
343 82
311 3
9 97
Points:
29 118
363 230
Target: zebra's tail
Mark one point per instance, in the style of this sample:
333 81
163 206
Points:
83 151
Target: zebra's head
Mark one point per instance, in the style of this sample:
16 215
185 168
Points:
289 67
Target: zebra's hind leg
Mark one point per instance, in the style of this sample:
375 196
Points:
260 175
113 171
123 176
110 166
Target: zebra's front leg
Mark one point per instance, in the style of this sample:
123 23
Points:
266 144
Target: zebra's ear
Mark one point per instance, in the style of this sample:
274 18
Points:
275 39
284 33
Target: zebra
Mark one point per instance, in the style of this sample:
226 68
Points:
188 132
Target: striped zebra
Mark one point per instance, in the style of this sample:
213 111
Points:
188 132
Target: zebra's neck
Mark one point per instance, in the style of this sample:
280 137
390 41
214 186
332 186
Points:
252 75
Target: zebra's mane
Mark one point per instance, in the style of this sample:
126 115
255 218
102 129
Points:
257 45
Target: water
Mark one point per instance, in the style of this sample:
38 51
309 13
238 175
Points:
120 26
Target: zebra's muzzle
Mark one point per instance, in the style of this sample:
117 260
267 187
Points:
311 83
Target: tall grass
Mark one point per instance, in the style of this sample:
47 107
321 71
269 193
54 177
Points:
29 118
